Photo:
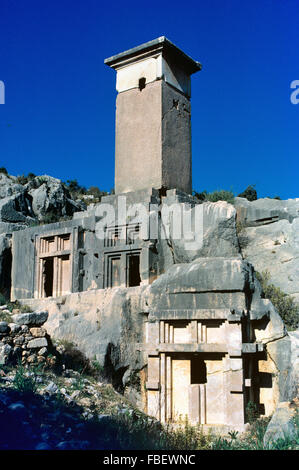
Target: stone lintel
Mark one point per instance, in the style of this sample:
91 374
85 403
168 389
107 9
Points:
194 314
56 253
154 350
234 352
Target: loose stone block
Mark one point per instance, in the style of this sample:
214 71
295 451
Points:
30 319
37 343
4 328
38 332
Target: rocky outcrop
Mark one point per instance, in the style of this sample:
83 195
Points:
218 237
105 324
9 186
49 196
294 336
32 202
17 209
269 229
281 426
282 423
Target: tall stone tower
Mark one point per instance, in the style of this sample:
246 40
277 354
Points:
153 117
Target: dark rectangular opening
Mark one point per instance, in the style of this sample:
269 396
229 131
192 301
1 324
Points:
48 276
115 272
134 270
198 371
5 273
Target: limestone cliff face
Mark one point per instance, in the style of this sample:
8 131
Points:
218 231
29 203
110 324
270 234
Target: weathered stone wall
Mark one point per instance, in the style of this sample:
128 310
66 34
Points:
176 140
138 132
24 339
154 122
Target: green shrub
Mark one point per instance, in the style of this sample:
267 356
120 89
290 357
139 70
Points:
50 217
284 303
74 188
215 196
17 305
3 170
31 176
22 179
221 195
251 412
4 316
96 192
201 196
250 193
97 366
25 380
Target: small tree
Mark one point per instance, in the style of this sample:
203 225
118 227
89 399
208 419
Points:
250 193
3 170
74 187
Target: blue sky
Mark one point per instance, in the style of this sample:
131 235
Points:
59 111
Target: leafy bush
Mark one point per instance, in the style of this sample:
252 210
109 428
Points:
251 412
17 305
96 192
3 170
22 179
250 193
50 218
31 176
24 381
220 195
201 196
5 316
284 303
74 188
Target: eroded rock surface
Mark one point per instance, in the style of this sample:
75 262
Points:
271 235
